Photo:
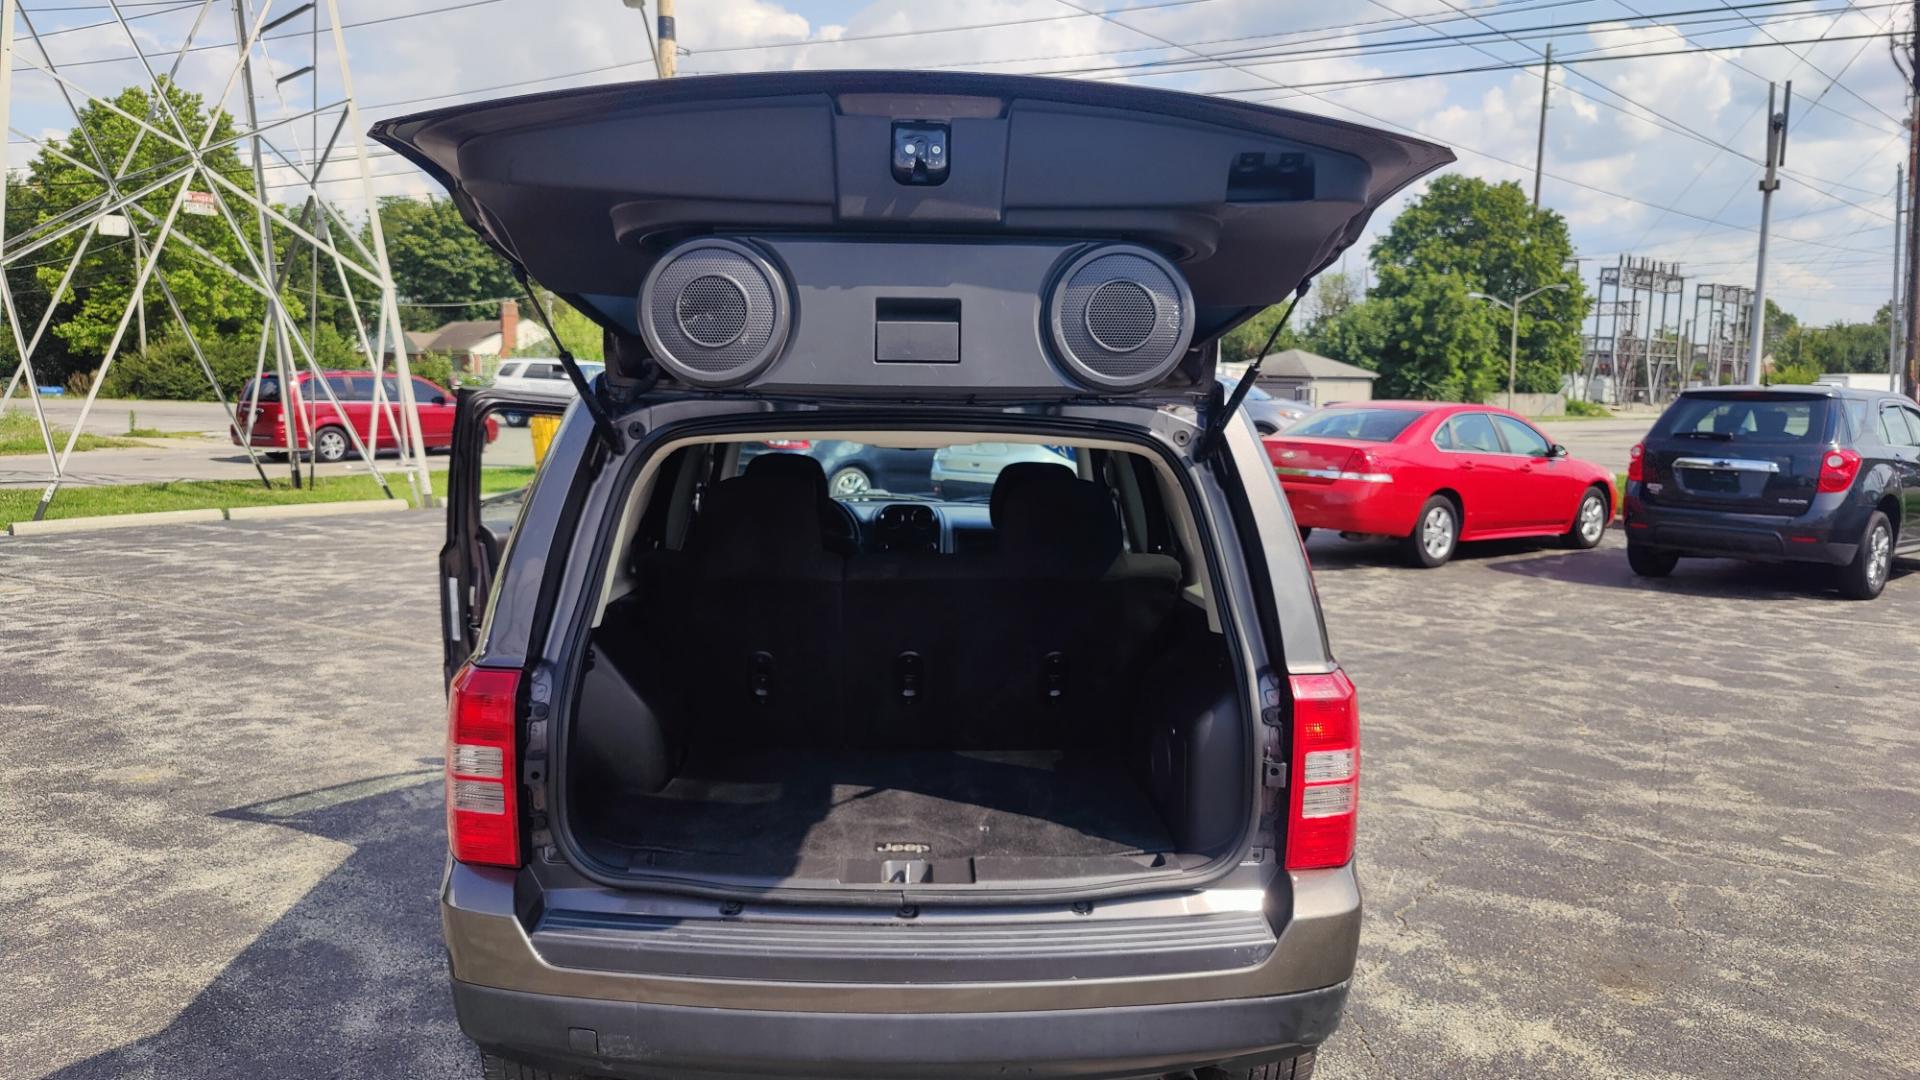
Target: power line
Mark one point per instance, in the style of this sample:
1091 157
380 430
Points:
851 38
168 54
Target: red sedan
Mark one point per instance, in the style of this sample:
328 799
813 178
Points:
1434 474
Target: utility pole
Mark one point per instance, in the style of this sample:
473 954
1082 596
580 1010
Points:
1894 301
1776 156
1910 307
1513 337
666 60
1540 143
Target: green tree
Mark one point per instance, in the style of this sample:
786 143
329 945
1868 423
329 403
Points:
437 259
1487 238
212 301
1431 342
1240 343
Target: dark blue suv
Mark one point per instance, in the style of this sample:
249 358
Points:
1782 474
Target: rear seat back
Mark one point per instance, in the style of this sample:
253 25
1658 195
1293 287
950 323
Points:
1036 645
763 613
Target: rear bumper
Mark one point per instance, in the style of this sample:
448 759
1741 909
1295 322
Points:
639 1040
1826 535
1357 506
824 999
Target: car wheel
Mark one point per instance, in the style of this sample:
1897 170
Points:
275 456
1651 561
1866 575
499 1068
1293 1068
849 483
1436 532
330 444
1590 524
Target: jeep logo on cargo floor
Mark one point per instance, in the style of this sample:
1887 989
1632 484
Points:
896 848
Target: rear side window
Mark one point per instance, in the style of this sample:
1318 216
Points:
1372 425
1473 432
1757 418
512 371
1893 430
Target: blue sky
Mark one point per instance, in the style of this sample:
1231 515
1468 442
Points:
1652 156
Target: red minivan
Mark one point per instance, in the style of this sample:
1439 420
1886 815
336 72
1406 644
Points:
322 428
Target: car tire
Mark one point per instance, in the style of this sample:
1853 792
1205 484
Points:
499 1068
330 444
1866 576
1651 561
1436 533
278 457
1590 521
849 482
1305 532
1293 1068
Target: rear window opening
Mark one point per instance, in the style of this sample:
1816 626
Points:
990 663
1746 418
1371 425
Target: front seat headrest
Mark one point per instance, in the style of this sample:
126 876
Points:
1058 524
796 468
1017 475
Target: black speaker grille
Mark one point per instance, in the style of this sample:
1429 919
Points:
712 310
1121 316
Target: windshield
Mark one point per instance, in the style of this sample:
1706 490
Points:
1750 417
1372 425
963 472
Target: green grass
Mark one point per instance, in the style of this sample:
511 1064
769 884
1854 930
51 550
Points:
16 504
156 433
20 434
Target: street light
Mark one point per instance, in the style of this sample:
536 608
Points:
1513 340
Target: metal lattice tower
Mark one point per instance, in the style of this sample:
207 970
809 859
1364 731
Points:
323 231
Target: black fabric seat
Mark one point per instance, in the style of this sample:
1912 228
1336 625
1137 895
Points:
763 613
1030 647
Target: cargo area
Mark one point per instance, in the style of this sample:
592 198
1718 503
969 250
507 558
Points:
774 700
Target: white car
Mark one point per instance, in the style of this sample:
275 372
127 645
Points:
969 470
540 377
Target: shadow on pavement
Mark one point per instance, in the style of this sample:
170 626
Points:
351 981
1729 579
1337 553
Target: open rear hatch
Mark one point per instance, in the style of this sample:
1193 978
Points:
907 233
799 715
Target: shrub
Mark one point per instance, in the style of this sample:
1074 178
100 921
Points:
1576 407
167 371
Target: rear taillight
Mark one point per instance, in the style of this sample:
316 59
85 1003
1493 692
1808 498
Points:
1326 772
483 820
788 444
1636 459
1837 469
1363 466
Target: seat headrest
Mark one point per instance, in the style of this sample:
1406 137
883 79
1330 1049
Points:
1057 523
758 523
794 468
1016 475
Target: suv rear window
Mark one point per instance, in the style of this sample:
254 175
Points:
1373 425
1759 418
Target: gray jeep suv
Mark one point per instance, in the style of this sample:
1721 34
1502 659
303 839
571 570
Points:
747 778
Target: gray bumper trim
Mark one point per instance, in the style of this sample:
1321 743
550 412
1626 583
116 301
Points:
644 1041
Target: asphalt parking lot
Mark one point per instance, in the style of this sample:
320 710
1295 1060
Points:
1610 828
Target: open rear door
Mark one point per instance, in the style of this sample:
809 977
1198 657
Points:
499 441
